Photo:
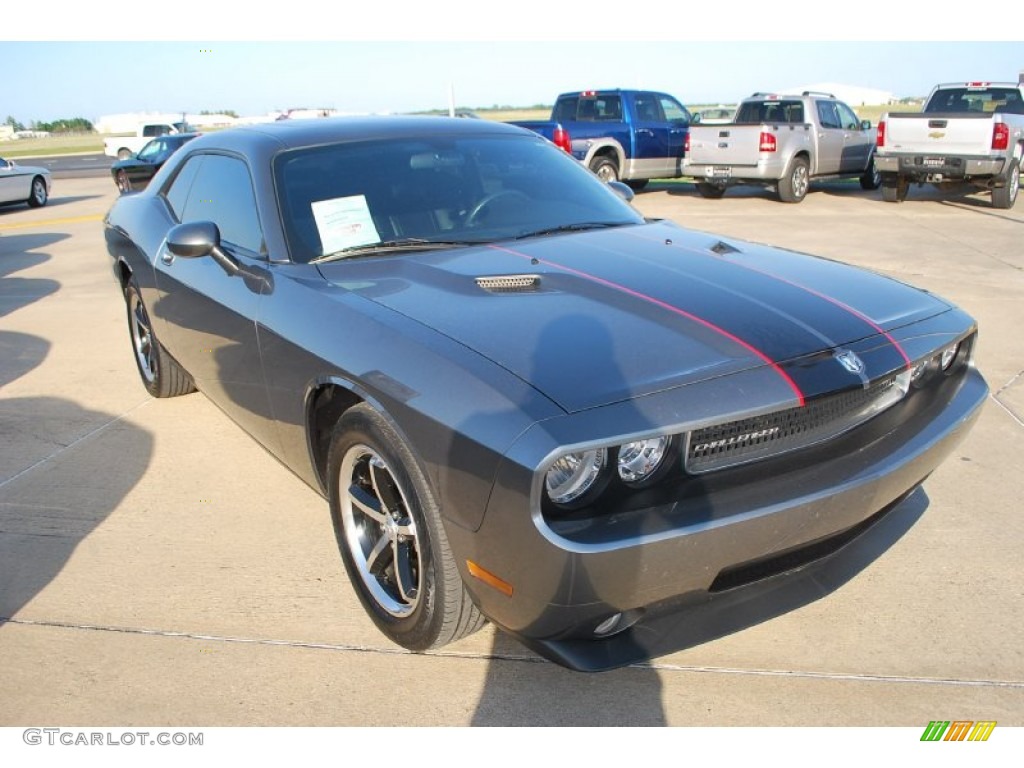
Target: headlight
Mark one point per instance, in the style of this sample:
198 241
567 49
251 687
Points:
948 356
574 474
640 461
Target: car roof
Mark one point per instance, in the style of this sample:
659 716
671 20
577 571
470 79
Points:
294 134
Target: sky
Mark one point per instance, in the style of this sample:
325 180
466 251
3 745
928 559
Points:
410 57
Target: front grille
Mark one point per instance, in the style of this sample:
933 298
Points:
758 437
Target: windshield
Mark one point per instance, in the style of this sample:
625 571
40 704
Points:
976 99
347 198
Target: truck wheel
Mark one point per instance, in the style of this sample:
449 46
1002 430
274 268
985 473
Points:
637 184
1005 196
871 178
124 153
605 168
710 191
896 192
793 186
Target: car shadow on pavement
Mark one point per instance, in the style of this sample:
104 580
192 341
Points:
18 253
52 495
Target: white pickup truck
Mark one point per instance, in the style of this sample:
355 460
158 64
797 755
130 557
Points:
123 147
968 133
784 142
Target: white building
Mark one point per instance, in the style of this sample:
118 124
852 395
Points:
854 95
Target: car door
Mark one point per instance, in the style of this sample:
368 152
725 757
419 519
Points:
13 185
831 138
651 136
858 142
207 317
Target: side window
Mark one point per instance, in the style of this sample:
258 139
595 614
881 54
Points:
222 193
177 193
849 120
827 115
608 109
673 111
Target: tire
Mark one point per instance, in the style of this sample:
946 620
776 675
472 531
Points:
605 168
710 191
124 153
161 374
391 537
123 182
37 196
897 191
871 178
1004 197
637 184
793 186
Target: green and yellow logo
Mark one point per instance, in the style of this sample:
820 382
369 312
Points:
958 730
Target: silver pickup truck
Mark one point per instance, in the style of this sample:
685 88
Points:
968 133
784 142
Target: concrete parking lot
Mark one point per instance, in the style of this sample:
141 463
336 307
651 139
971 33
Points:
157 566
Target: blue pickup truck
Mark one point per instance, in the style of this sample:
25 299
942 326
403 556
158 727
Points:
621 135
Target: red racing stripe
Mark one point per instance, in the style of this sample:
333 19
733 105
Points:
856 313
676 310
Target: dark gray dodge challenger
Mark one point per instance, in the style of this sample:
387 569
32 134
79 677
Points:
523 401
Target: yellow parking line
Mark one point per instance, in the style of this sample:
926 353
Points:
53 222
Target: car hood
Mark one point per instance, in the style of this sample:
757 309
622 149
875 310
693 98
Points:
598 317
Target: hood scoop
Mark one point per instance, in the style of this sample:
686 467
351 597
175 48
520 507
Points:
509 283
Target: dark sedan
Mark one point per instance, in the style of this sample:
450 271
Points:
135 172
523 401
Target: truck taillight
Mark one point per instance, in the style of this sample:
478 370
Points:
686 144
767 142
1000 136
880 141
562 139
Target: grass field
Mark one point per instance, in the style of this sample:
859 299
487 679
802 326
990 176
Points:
90 143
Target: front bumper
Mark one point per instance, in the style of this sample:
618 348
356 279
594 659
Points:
720 538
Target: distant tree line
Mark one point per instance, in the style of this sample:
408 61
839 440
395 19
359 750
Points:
228 112
64 125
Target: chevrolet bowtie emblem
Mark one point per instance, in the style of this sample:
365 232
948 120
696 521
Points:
936 134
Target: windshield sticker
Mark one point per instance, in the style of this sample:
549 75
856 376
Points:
344 222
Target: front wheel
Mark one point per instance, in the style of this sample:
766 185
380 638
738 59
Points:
392 541
38 196
871 178
1004 197
161 374
605 168
793 186
122 181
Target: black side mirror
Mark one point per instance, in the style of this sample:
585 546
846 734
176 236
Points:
865 125
197 239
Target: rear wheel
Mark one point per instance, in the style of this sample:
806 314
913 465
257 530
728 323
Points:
895 190
124 153
1005 196
637 184
161 374
37 196
793 186
710 191
123 182
605 168
392 541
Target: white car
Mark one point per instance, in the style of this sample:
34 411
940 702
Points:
24 183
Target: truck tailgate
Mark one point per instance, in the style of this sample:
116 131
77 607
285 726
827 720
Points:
728 144
939 134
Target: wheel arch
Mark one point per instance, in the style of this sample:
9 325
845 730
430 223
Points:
606 148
